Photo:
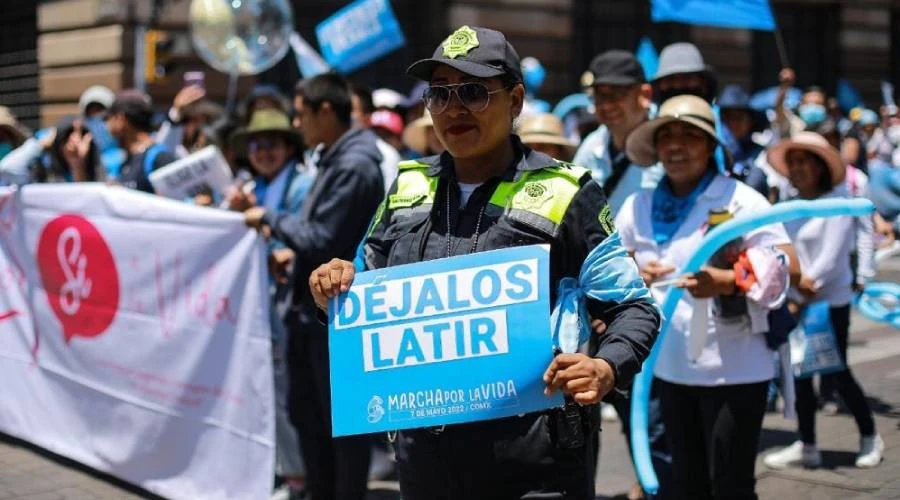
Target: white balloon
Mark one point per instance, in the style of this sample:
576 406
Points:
241 36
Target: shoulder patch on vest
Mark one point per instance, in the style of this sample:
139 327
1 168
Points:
533 195
606 220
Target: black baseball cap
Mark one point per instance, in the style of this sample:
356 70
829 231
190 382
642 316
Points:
136 106
617 67
476 51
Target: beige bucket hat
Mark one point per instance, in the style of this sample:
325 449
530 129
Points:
544 128
641 143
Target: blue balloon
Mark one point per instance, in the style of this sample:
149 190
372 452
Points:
570 103
765 99
870 306
718 237
533 73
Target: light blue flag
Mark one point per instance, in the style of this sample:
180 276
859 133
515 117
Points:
309 61
648 57
750 14
358 34
847 96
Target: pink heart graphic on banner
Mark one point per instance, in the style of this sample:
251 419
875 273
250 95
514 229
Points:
79 275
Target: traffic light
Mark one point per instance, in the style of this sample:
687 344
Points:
158 55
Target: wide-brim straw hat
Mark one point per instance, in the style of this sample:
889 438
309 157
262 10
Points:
266 121
813 143
641 143
544 128
415 135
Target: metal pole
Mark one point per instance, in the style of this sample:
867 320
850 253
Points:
232 90
140 81
782 50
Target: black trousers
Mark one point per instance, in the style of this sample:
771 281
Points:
507 459
843 382
713 437
336 468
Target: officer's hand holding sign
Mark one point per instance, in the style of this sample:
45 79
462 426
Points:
516 223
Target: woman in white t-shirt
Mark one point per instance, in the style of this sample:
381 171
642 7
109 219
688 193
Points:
816 170
712 407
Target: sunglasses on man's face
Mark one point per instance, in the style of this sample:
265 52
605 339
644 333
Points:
474 96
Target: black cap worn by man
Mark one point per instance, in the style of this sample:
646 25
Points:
618 68
137 108
477 51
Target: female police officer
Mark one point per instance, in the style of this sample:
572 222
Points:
487 192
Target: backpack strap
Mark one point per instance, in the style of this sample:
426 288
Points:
150 157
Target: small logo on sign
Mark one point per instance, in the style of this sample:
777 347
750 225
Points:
375 409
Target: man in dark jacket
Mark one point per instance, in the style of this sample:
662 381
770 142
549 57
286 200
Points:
332 221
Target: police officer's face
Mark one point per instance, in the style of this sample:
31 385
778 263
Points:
469 134
684 151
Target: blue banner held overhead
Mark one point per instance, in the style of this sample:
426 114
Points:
447 341
748 14
358 34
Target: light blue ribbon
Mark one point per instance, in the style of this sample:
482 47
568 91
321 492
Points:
608 274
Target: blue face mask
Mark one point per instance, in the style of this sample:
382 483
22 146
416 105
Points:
5 149
812 114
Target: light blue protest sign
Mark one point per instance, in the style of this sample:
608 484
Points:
358 34
442 342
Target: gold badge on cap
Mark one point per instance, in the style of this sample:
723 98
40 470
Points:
460 42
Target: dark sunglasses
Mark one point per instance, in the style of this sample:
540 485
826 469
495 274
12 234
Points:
474 96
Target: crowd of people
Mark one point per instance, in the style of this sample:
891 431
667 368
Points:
649 163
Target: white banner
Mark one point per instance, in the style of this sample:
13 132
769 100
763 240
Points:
134 338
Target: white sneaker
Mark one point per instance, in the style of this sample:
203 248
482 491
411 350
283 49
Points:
795 454
871 450
608 413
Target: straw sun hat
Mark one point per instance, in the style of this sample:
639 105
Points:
544 128
641 142
813 143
